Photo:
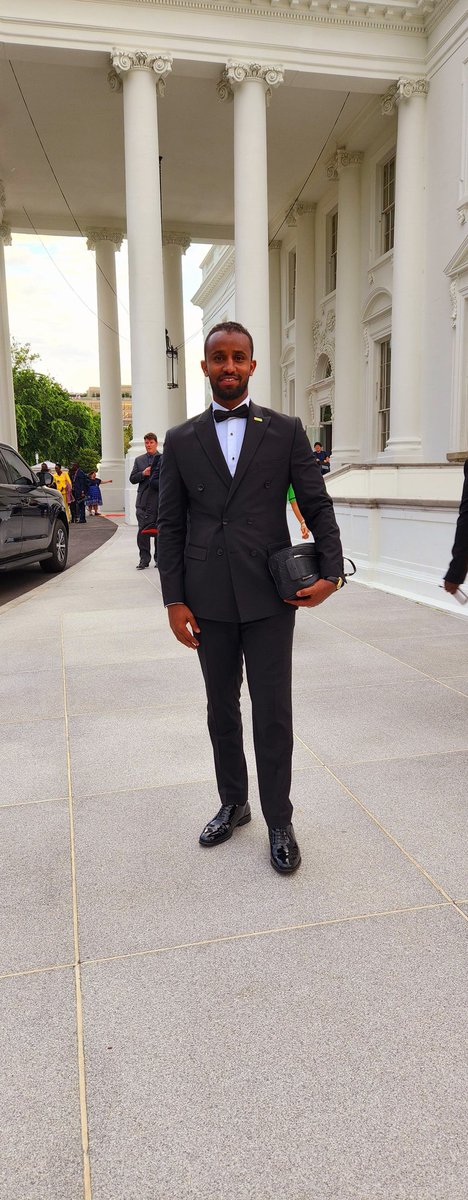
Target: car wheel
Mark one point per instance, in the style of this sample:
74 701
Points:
59 548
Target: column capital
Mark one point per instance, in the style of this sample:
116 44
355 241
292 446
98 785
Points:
5 234
235 73
124 61
341 159
275 245
403 89
104 235
171 238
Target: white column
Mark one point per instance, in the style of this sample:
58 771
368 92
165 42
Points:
251 85
112 466
405 443
7 397
174 246
143 74
304 319
275 325
346 167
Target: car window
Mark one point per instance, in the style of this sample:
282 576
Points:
3 472
17 469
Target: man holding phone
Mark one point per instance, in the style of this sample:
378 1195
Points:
459 565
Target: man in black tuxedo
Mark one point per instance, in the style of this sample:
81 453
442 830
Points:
222 511
458 567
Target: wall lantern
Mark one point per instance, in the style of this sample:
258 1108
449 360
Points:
172 363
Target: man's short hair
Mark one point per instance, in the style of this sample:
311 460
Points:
153 436
229 327
317 444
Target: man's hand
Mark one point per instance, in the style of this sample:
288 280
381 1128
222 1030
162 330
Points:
311 596
147 471
451 587
183 624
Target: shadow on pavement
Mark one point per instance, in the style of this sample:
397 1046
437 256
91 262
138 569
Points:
83 540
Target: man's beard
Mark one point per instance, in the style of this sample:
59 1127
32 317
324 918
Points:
235 393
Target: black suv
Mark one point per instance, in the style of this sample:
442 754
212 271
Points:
33 518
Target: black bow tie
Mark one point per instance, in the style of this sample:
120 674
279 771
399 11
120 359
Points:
222 414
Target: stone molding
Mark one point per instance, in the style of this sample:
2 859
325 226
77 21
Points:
235 73
171 238
5 234
124 61
2 198
403 89
414 17
342 159
323 334
94 236
275 245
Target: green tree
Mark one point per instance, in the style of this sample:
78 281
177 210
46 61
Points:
128 434
48 421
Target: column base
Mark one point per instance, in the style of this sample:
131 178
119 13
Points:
343 456
113 494
402 450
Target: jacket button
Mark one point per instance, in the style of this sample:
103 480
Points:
253 553
200 487
267 483
219 552
225 521
249 521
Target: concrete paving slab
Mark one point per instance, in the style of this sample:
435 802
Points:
29 652
325 657
117 645
33 763
307 1065
438 656
41 1141
24 695
423 803
145 881
35 887
413 718
156 745
142 684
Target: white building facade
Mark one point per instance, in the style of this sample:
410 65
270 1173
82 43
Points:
323 150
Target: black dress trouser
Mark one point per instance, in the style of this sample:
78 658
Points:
266 647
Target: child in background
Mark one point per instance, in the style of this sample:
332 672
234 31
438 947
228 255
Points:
94 497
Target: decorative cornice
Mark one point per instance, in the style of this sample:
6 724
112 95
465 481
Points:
124 61
404 89
5 234
276 245
343 159
104 235
396 16
223 268
235 73
170 238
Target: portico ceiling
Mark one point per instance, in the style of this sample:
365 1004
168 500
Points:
62 99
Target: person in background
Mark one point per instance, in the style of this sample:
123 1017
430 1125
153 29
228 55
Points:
94 496
458 568
80 484
140 474
297 512
41 475
63 484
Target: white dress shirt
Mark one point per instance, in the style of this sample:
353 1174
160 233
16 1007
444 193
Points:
230 435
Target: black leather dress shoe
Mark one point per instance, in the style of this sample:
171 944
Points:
224 823
285 853
142 566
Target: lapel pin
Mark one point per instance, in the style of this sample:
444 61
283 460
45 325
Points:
258 418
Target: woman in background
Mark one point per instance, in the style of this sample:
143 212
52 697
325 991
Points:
63 484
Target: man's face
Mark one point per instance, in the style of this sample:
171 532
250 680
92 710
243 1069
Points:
228 366
151 445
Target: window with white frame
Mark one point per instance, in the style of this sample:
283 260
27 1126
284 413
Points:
332 249
384 393
291 285
326 427
387 204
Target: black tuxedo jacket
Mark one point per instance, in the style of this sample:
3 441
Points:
216 531
459 564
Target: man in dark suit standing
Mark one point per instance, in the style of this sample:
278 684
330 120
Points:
145 501
222 511
459 563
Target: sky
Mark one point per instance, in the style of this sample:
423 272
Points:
51 285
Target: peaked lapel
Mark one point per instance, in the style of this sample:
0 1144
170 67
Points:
206 434
257 424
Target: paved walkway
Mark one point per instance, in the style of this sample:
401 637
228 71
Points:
216 1031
